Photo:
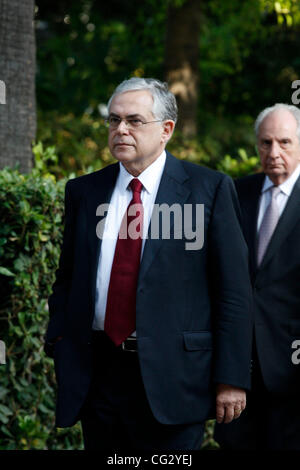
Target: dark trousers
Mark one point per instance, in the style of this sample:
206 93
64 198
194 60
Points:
116 415
269 422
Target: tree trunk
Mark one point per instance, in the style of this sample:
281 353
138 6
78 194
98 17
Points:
17 71
182 56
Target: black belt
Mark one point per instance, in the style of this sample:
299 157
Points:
129 345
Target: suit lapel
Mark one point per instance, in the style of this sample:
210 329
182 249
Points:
100 192
251 215
287 221
171 191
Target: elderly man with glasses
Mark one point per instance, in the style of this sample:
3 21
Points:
150 329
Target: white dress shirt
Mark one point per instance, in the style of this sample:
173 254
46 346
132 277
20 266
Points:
285 191
121 197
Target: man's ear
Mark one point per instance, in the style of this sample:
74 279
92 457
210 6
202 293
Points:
168 129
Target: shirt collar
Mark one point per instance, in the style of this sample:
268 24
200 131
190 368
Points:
287 186
148 177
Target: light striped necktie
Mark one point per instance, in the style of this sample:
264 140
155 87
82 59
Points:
268 224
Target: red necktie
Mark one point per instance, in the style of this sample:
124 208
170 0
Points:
121 298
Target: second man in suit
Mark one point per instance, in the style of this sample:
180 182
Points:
270 203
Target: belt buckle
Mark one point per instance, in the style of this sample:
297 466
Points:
127 348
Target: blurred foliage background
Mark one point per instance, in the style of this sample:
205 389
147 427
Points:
247 56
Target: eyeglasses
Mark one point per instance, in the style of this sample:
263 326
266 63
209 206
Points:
113 122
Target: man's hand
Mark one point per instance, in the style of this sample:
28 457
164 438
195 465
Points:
230 402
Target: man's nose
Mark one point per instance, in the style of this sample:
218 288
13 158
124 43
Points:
122 127
274 151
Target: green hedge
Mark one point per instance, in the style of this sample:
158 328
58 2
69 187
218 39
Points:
31 211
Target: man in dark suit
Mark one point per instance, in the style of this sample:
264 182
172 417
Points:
150 331
270 203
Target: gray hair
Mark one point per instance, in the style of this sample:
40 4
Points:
287 107
164 102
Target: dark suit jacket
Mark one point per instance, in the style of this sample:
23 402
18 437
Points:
276 286
192 308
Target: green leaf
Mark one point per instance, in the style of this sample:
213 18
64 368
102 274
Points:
43 409
3 418
5 410
6 272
